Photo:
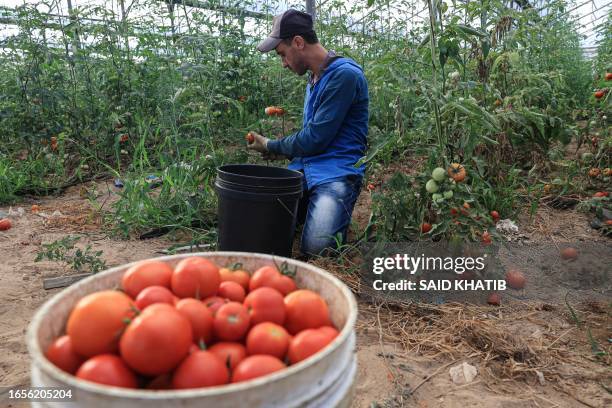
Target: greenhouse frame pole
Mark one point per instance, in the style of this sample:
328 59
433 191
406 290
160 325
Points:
310 9
76 40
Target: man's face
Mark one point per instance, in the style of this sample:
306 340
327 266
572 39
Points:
292 55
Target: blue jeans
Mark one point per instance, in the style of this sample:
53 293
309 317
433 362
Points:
325 210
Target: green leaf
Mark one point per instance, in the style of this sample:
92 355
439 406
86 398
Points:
424 41
470 31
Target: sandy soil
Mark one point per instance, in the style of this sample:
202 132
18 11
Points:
389 375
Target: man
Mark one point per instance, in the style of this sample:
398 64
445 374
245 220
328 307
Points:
333 134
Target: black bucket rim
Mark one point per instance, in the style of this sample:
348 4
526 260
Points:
292 179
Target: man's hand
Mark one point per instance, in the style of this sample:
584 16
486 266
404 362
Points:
259 143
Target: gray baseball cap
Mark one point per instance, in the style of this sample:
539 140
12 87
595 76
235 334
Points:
286 25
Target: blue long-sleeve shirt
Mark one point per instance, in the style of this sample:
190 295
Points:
335 126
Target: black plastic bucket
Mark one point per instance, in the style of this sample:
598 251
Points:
257 208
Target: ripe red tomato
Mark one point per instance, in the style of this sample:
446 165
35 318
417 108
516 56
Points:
145 274
274 111
249 138
569 253
231 322
494 299
97 320
154 294
5 224
608 76
213 303
61 353
107 369
269 276
265 305
425 227
157 340
495 215
305 310
268 338
232 291
285 285
515 279
230 353
200 317
238 275
329 330
200 369
599 94
256 366
486 238
195 277
263 277
310 341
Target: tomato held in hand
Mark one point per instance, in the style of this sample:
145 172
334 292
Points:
268 338
310 341
256 366
61 353
231 353
154 294
200 317
107 369
200 369
157 340
195 277
97 320
265 305
231 322
145 274
305 310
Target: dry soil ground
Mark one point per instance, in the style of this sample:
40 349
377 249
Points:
404 357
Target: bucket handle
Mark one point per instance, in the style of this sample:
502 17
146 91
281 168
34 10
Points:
285 207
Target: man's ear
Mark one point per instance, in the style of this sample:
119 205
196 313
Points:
299 42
